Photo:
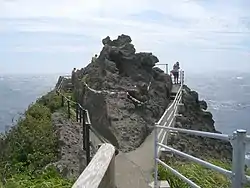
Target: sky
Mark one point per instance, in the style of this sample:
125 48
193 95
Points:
53 36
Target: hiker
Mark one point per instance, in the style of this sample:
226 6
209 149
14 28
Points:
73 76
94 58
175 72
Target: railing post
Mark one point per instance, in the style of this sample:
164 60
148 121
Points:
80 115
87 138
182 77
83 129
68 102
155 157
62 101
239 147
77 112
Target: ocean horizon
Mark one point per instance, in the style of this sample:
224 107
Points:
227 95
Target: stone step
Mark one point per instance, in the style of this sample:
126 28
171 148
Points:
162 184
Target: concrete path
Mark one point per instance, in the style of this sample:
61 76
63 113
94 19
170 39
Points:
134 169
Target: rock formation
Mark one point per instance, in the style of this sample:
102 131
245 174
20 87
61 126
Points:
125 93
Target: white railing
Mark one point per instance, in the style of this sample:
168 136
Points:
164 64
180 77
238 140
168 117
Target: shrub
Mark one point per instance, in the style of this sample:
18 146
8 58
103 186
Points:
51 100
46 179
31 144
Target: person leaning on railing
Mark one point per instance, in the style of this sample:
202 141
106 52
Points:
175 72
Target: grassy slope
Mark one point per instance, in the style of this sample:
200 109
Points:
30 146
203 177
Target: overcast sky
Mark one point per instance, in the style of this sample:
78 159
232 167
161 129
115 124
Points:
51 36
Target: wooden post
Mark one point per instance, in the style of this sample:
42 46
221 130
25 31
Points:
62 101
68 109
87 142
83 128
80 115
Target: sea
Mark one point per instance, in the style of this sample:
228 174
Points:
17 92
226 93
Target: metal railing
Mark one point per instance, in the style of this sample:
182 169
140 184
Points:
82 116
238 140
166 66
168 117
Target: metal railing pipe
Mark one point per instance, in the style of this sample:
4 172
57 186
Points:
197 160
198 133
155 158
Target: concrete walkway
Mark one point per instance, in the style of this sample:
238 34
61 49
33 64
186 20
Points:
134 169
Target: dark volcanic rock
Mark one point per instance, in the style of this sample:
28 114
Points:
72 157
119 69
203 105
123 121
194 117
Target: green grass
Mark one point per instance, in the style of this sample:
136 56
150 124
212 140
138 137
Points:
200 175
46 179
31 145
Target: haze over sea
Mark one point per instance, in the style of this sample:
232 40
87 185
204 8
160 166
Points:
227 95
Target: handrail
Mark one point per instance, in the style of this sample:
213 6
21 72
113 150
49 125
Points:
82 115
176 98
197 160
169 108
238 140
100 171
172 109
198 133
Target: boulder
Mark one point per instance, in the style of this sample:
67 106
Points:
203 104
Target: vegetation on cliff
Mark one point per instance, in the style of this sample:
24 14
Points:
202 176
30 146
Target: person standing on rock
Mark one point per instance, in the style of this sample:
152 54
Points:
94 58
175 72
73 76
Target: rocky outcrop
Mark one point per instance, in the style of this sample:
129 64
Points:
195 117
72 157
126 94
136 93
